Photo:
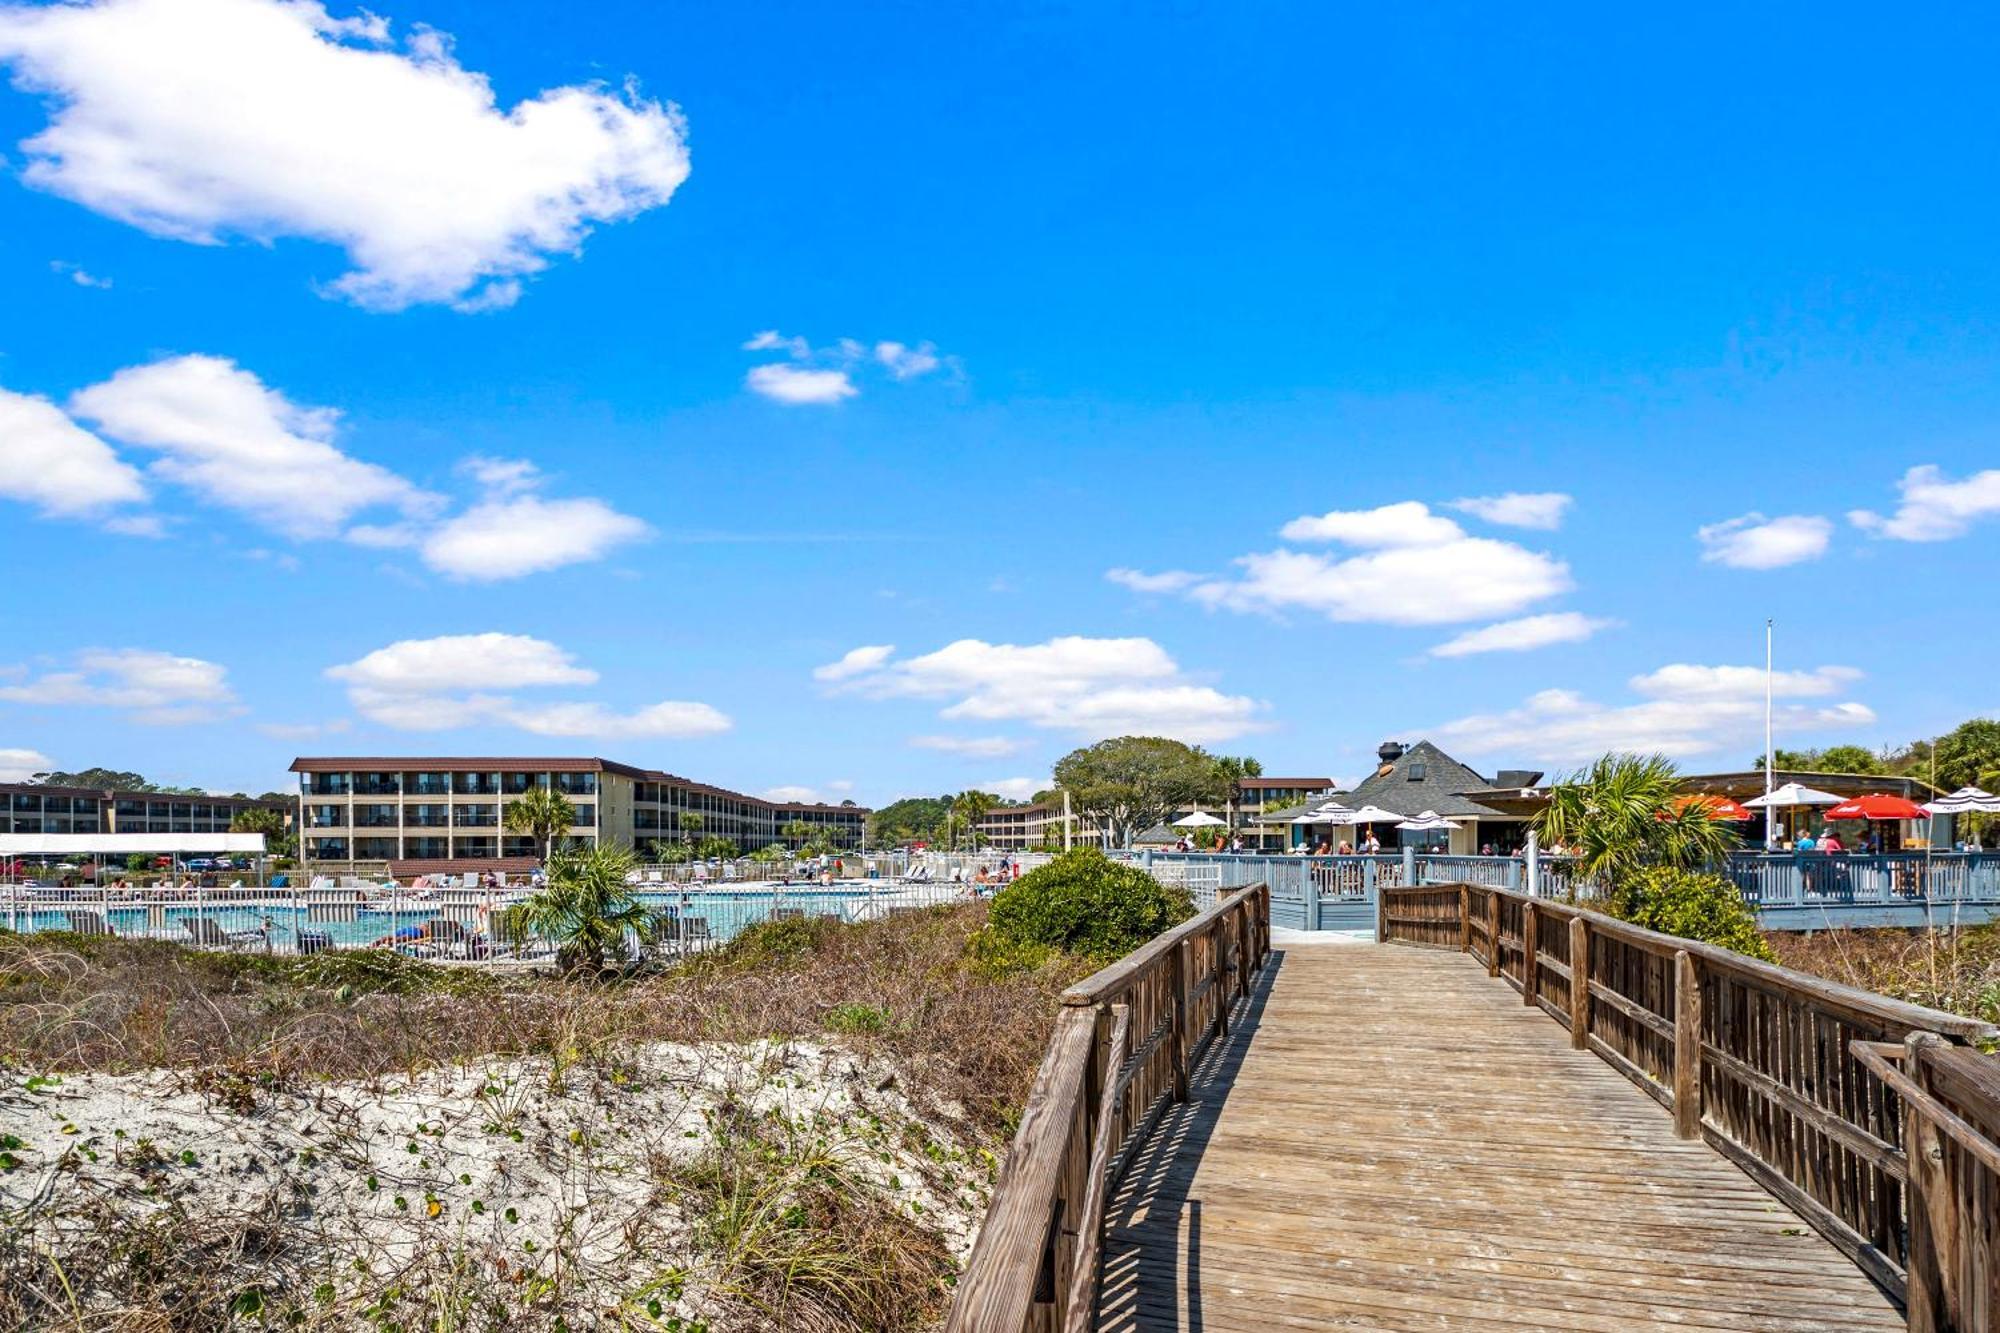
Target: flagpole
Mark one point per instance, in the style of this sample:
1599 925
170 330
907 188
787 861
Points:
1770 754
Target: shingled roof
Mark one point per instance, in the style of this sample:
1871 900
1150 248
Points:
1441 788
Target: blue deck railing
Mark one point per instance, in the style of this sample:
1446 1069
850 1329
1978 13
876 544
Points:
1791 890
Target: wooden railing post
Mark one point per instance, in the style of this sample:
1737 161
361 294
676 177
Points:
1381 913
1464 919
1530 945
1932 1304
1492 933
1579 983
1687 1046
1180 1034
1219 980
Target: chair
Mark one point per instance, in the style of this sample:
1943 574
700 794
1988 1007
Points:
788 914
208 935
694 931
314 941
88 923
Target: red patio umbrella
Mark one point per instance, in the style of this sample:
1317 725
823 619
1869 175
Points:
1877 806
1718 807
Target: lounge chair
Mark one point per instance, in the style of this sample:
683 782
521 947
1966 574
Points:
88 923
788 914
208 935
314 941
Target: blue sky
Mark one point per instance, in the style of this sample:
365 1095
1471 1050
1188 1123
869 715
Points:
363 391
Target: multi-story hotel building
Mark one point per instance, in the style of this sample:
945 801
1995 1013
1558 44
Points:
447 814
29 808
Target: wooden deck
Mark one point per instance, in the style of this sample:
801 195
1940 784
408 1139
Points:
1389 1139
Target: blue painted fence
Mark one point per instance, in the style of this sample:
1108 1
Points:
1791 891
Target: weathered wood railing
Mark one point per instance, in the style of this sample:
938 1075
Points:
1121 1052
1823 1094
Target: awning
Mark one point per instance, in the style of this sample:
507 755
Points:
113 844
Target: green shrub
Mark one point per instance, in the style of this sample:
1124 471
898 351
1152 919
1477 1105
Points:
1692 904
765 942
991 955
857 1017
1085 903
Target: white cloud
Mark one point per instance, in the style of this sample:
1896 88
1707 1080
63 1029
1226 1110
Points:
1473 578
1934 509
798 384
907 363
1014 789
206 119
465 662
826 374
1685 710
1407 523
1756 542
1514 636
1543 510
463 680
50 462
508 476
77 274
1098 687
855 661
505 539
792 795
152 687
223 434
1414 567
974 747
22 765
1167 580
303 731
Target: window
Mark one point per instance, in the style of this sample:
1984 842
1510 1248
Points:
55 805
327 849
476 784
426 849
479 847
576 784
1415 772
326 816
519 846
376 816
427 784
428 816
586 816
514 784
378 784
24 804
374 849
476 816
327 784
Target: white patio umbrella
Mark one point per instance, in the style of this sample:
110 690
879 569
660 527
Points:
1326 812
1428 821
1199 819
1792 796
1966 800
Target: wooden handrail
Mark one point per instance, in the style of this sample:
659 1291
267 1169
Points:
1123 1045
1786 1074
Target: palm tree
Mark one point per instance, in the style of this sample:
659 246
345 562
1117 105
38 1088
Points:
585 907
540 814
691 826
970 807
795 832
1625 811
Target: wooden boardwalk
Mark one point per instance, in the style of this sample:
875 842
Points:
1389 1139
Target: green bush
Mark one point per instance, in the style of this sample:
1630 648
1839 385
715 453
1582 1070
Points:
1692 904
1085 903
855 1016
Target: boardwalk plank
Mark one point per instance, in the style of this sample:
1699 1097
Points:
1389 1139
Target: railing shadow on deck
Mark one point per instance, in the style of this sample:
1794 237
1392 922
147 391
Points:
1125 1049
1870 1118
1154 1193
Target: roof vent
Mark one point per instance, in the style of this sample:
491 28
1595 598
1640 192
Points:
1390 751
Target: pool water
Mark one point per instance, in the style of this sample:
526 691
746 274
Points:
726 911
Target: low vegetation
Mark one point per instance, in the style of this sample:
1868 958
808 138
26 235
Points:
1695 905
1083 903
1954 969
796 1130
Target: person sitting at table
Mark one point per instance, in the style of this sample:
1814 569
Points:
1830 842
1804 844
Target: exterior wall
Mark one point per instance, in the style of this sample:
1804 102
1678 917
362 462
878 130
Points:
454 811
25 808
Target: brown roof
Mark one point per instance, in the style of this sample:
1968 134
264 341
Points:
112 794
1284 782
433 763
531 764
